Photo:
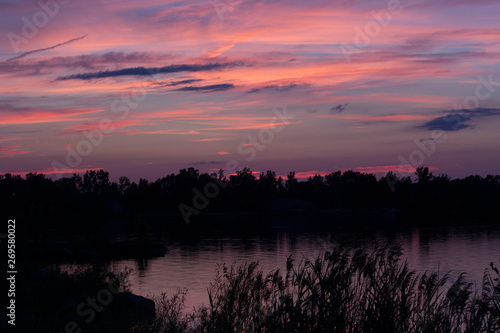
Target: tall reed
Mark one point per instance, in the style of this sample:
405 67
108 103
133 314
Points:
345 290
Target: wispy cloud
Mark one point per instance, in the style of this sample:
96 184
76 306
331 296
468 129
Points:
204 163
412 69
339 108
275 88
167 131
5 138
174 83
47 48
455 121
15 115
451 122
210 139
12 151
94 61
90 126
143 71
373 118
209 88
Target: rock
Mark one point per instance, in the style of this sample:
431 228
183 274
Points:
134 307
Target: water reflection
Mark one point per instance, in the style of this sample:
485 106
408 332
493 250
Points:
192 265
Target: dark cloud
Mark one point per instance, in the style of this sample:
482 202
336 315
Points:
174 83
143 71
450 122
213 87
47 48
93 62
484 112
204 163
339 108
456 120
274 88
6 106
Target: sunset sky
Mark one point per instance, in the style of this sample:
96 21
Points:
145 88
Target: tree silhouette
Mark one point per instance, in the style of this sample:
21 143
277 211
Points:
423 175
79 203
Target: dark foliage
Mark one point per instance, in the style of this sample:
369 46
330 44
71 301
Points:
345 290
92 202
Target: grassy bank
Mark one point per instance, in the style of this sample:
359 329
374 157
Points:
89 299
345 290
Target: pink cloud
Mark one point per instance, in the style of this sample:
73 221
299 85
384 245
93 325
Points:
67 146
168 131
105 127
31 116
210 139
12 151
4 138
394 117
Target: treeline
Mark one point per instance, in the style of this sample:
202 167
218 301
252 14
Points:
93 198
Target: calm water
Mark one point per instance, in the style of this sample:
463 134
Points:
193 265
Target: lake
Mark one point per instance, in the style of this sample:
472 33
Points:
193 264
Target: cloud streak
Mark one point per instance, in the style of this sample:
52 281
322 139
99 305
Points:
275 88
455 121
209 88
12 151
208 83
47 48
143 71
339 108
373 118
174 83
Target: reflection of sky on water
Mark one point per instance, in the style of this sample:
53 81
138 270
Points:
193 265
